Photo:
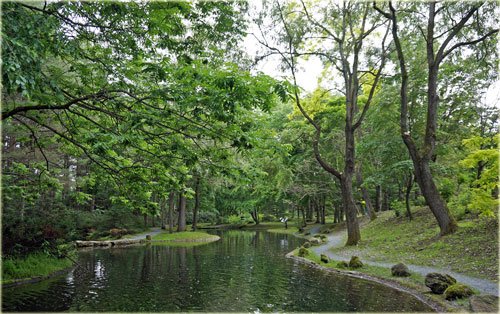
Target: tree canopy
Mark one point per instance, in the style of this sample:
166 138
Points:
130 114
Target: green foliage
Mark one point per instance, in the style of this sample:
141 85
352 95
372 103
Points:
235 219
162 96
33 265
483 179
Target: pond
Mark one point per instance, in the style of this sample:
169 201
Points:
245 271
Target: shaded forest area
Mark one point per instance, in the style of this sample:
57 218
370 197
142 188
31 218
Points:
121 116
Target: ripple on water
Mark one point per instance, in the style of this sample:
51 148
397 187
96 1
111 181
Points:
244 271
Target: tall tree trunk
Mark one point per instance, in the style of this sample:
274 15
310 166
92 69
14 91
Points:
196 202
378 198
181 223
407 195
425 181
309 209
163 212
350 210
171 205
386 200
304 222
365 194
323 210
317 209
422 157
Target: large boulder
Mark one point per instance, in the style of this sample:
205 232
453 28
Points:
303 252
457 291
355 262
315 241
324 258
400 270
438 283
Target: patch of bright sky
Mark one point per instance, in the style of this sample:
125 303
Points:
309 71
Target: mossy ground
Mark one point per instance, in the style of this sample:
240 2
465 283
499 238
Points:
472 250
186 236
32 266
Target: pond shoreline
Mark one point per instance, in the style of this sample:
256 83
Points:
23 281
436 306
127 242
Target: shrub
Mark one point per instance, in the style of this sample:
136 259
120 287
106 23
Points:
268 218
234 220
446 188
399 207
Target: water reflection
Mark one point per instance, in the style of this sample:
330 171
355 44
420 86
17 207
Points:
245 271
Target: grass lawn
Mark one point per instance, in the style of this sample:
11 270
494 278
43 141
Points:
32 266
282 230
186 236
473 249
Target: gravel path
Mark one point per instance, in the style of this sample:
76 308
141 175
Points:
337 240
152 232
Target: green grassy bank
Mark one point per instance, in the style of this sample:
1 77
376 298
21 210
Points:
186 236
32 266
472 250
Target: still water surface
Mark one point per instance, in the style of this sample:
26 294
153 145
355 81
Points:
243 272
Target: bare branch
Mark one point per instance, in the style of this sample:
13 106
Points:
375 82
455 29
17 110
467 43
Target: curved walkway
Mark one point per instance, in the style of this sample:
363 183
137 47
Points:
152 232
337 240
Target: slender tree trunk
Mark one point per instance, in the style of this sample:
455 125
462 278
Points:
407 195
181 224
350 209
196 202
309 209
317 209
365 194
171 205
386 200
378 198
163 214
323 211
255 216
